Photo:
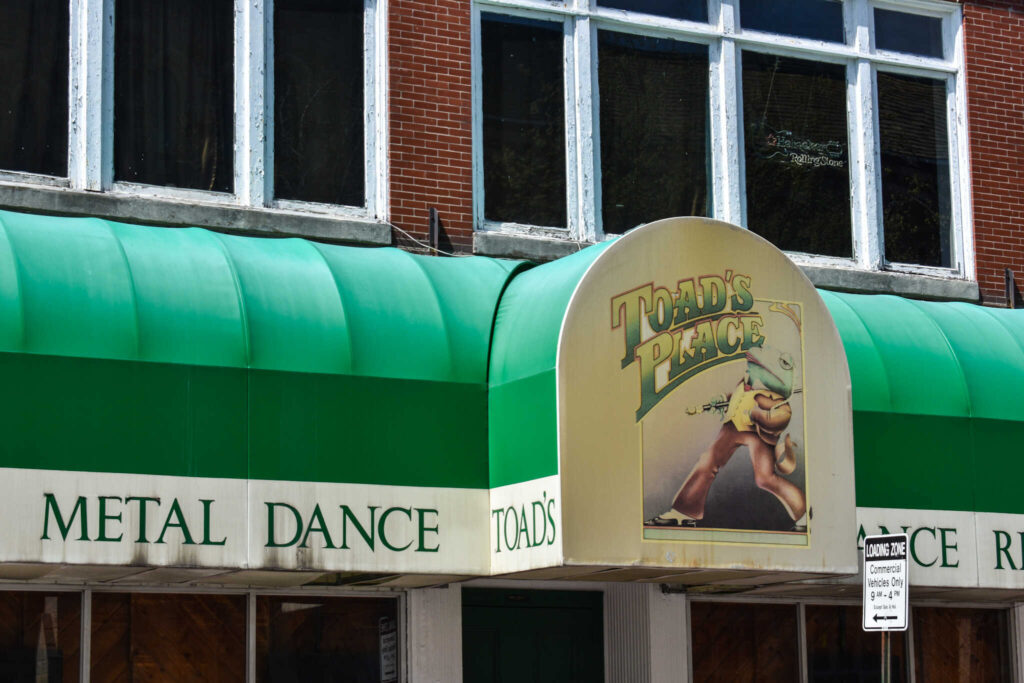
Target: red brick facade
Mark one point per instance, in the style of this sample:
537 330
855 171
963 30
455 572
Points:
430 151
431 135
994 42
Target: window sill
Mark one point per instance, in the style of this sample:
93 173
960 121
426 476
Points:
540 249
264 222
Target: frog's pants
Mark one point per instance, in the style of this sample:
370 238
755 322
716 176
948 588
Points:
693 494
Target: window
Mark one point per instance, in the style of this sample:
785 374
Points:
34 86
233 102
830 127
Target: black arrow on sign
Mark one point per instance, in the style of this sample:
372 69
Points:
878 618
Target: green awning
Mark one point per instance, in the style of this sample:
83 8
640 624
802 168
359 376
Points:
937 402
186 352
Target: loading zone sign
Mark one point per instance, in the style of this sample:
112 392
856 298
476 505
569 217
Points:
886 588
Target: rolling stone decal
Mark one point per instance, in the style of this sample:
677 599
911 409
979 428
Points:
720 408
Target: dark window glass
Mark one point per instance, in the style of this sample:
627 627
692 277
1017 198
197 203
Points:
737 643
915 169
318 101
694 10
816 19
173 95
908 33
840 651
798 179
960 645
161 637
40 635
524 121
34 86
300 639
654 131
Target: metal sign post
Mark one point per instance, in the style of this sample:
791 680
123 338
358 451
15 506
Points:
886 590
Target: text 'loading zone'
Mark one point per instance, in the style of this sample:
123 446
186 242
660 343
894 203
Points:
886 585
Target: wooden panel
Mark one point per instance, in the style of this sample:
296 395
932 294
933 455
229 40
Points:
840 651
152 638
736 643
960 645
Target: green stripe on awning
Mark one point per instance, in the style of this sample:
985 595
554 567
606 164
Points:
937 402
186 352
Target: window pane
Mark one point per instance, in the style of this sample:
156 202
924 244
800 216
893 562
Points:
654 132
839 650
908 33
960 645
915 169
173 96
524 121
694 10
736 643
798 181
318 101
34 86
350 640
167 638
40 635
816 19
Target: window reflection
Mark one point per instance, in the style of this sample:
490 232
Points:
911 33
816 19
350 640
694 10
915 169
34 86
524 121
39 636
796 151
654 132
173 93
318 101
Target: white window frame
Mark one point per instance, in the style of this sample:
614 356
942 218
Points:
726 39
91 115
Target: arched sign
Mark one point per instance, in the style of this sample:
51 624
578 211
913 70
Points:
704 414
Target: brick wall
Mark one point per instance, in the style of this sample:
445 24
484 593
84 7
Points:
994 41
430 119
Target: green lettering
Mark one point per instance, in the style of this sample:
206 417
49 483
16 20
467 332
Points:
686 302
318 517
175 512
626 311
51 505
142 514
946 546
742 300
913 545
1003 550
421 513
104 517
381 530
524 529
206 524
712 290
271 542
346 515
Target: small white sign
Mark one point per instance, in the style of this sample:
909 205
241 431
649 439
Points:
886 584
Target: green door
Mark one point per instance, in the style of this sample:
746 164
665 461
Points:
526 636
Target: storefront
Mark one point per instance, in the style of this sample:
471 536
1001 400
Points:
231 458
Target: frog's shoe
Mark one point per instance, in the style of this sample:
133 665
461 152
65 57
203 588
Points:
785 455
671 517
